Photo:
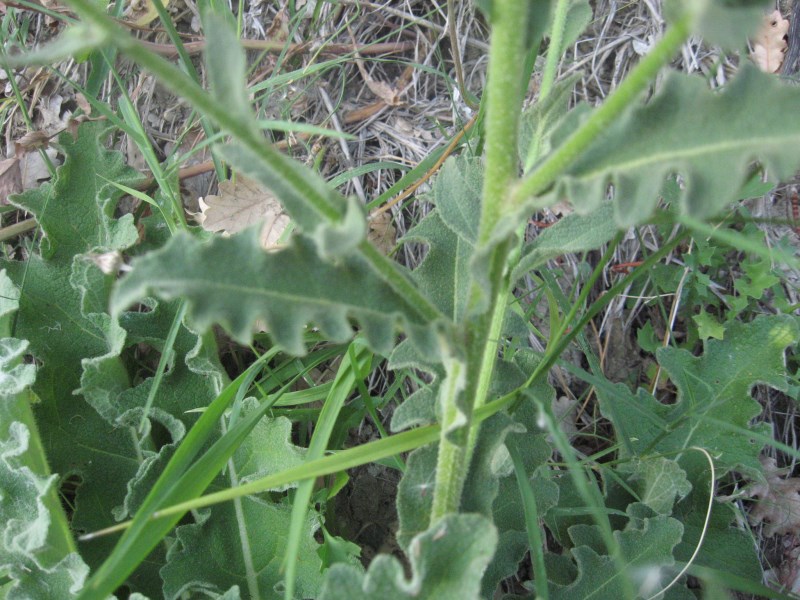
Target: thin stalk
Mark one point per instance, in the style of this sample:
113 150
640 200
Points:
455 50
635 83
503 99
557 28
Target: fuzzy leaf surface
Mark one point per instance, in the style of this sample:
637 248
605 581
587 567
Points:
59 292
674 134
76 211
573 233
657 481
231 281
447 561
720 22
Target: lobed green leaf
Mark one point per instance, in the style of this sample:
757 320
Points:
675 134
233 282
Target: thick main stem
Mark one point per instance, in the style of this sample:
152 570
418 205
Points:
503 104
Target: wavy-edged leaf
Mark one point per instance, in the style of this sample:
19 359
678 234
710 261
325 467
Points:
657 481
707 137
646 547
233 282
245 544
447 561
713 387
36 545
76 211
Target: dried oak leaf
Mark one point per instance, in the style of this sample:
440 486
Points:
240 204
778 501
769 45
381 232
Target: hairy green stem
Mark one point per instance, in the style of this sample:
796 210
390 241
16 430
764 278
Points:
503 99
635 83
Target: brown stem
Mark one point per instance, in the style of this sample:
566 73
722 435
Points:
169 51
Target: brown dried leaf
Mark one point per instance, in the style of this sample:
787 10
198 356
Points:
382 233
240 204
779 501
769 45
10 179
33 140
388 93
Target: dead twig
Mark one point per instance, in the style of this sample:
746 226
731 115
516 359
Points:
170 51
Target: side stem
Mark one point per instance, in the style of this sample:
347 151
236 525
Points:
633 85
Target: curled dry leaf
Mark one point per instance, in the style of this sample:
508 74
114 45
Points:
33 140
778 501
241 204
769 45
382 233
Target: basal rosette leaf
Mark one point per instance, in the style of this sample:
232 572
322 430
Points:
62 313
709 138
59 582
714 408
657 481
76 211
191 382
37 553
211 555
244 545
646 547
725 546
233 282
447 561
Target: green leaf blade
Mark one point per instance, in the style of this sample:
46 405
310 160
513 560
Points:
232 281
674 134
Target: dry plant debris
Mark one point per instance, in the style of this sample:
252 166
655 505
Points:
381 232
779 501
241 203
769 45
